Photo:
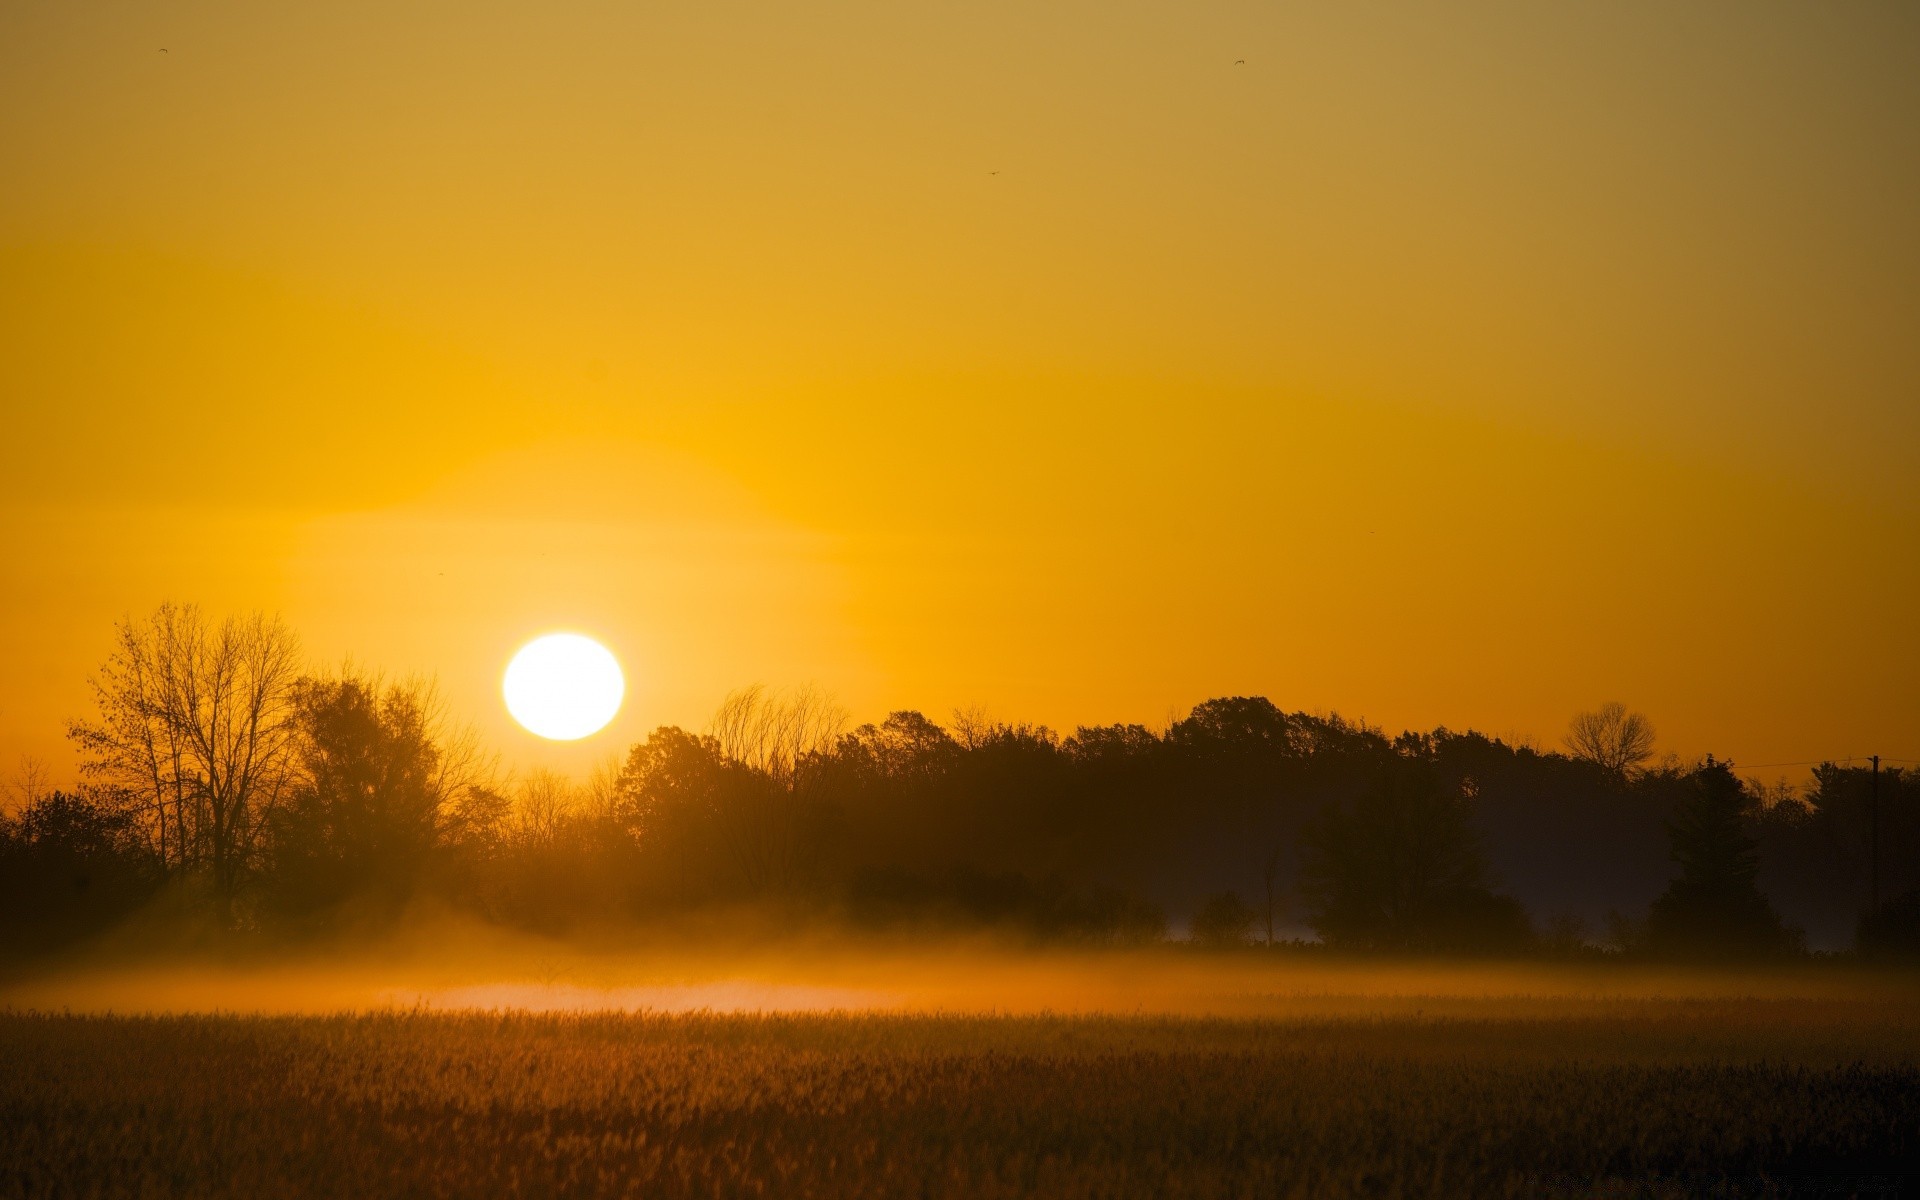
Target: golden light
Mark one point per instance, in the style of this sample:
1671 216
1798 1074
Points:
564 686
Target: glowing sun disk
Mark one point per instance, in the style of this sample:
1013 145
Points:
564 686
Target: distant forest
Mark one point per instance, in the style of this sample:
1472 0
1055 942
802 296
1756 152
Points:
229 789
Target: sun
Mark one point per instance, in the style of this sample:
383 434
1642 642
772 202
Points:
564 686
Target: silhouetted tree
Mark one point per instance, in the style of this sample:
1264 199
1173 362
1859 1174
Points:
1397 867
1117 779
544 806
363 813
1714 906
568 856
1816 844
1564 834
889 787
774 823
906 747
1248 758
674 796
475 824
194 737
69 867
27 784
1612 737
1014 806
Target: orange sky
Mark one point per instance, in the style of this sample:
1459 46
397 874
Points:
1468 367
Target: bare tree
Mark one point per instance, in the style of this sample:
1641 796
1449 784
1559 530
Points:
543 805
774 732
775 735
600 796
973 726
194 735
28 785
1611 736
465 772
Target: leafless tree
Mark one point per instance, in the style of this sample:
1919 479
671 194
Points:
543 804
194 735
465 772
1612 737
601 798
774 734
28 785
1780 794
973 726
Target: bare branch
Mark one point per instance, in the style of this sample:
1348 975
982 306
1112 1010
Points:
1612 738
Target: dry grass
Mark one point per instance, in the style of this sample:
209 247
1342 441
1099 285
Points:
1647 1097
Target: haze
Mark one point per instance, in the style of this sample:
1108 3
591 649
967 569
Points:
730 964
1472 367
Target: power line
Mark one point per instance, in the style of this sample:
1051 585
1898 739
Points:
1816 762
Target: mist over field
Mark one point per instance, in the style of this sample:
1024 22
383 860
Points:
737 965
460 1061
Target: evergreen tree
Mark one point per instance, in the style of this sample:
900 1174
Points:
1714 906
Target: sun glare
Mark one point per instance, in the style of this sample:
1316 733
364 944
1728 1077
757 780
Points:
564 686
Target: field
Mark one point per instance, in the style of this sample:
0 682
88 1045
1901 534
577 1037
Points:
1439 1095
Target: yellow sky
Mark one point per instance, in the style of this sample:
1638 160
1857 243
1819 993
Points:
1470 366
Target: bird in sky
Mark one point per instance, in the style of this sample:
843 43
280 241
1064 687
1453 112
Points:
1239 62
163 49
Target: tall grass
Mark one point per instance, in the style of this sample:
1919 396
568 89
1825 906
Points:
1739 1096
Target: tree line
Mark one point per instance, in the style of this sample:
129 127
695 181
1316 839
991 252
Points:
226 786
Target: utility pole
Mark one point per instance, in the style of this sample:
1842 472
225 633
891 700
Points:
1873 840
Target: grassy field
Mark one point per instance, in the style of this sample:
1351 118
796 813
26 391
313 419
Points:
1630 1097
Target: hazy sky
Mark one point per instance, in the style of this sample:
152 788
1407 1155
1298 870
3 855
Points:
1467 364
